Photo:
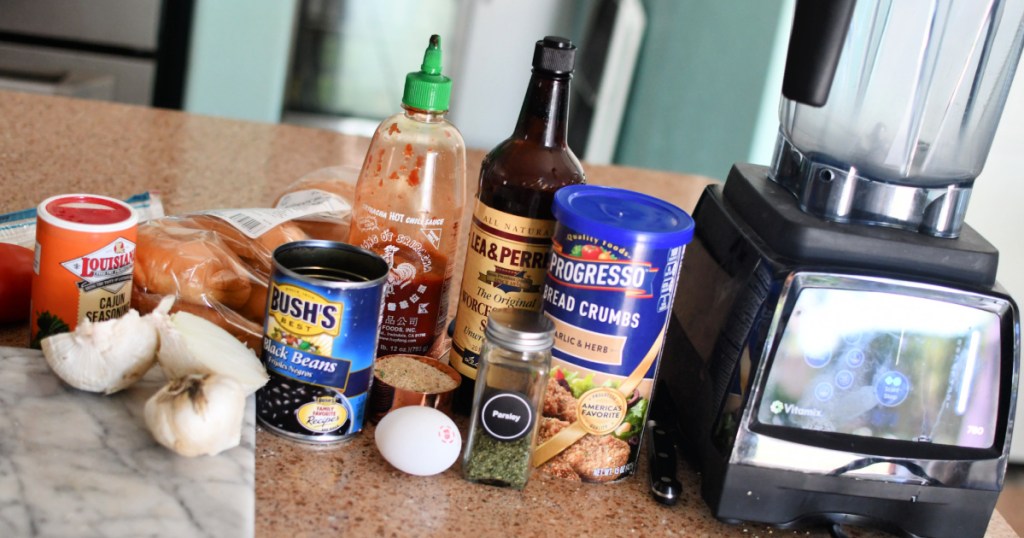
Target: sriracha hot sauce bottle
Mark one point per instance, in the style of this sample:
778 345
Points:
408 202
510 235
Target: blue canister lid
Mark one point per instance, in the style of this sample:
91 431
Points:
622 216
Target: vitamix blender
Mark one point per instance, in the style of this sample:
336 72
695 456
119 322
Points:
840 351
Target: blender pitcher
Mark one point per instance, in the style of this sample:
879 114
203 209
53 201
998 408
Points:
890 106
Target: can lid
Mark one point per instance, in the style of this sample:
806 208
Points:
520 330
88 213
622 216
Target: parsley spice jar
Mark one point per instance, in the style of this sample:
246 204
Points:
510 383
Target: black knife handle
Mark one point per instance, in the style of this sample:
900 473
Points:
665 487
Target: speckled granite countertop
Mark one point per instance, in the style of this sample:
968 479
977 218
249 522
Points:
52 145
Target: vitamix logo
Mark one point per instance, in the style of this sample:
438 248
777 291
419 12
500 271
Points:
633 279
303 312
777 407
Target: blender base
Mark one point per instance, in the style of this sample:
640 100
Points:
752 242
788 500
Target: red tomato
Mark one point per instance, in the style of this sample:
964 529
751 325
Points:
15 282
590 252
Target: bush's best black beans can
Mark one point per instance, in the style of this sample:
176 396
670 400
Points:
609 289
324 305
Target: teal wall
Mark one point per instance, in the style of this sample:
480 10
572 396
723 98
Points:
239 58
698 86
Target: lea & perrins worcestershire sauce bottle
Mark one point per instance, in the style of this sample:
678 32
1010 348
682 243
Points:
510 235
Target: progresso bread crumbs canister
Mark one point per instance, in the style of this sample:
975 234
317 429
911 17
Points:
609 290
320 339
84 259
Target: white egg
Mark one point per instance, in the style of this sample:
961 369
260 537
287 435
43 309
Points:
418 440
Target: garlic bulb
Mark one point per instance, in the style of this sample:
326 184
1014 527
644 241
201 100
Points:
106 356
190 344
200 414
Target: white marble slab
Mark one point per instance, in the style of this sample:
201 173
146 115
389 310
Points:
79 464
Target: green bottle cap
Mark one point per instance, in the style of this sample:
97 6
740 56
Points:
428 89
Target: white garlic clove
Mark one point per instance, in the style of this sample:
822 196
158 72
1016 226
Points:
106 356
200 414
190 344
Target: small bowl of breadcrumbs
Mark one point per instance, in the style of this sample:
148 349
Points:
402 380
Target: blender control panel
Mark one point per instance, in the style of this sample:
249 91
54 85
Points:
886 365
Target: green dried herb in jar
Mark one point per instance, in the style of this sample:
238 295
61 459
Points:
499 463
510 383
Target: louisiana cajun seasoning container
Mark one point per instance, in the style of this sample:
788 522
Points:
609 291
84 257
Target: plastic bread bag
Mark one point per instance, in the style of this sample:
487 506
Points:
218 263
216 274
337 184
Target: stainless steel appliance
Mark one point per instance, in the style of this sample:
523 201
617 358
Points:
840 351
131 51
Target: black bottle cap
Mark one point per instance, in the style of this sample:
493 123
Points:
555 55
